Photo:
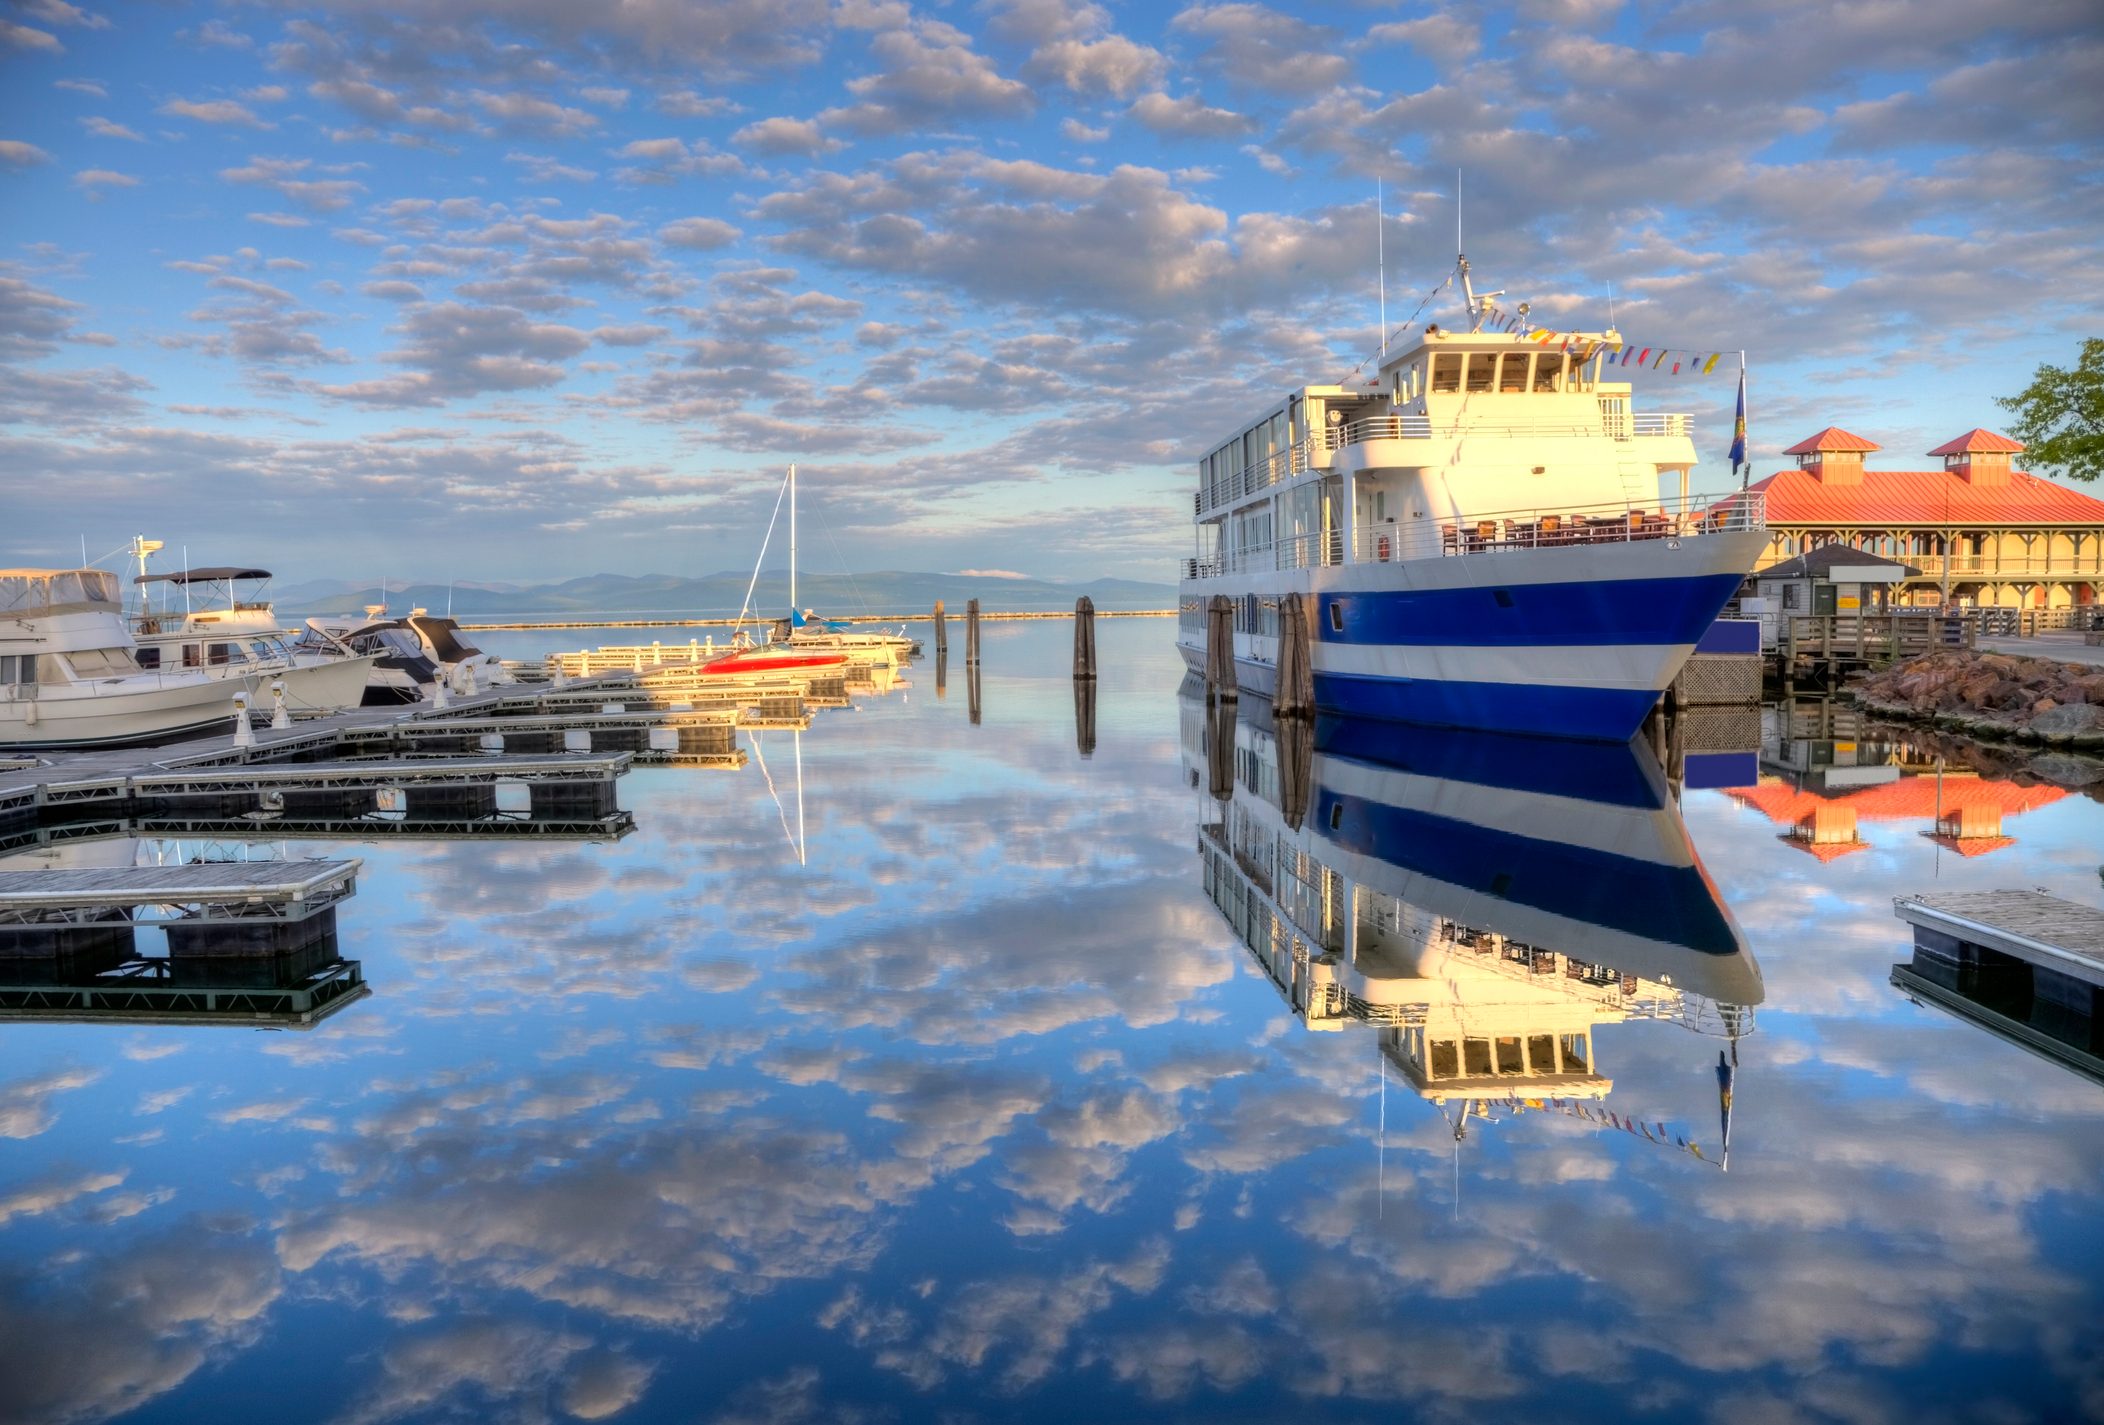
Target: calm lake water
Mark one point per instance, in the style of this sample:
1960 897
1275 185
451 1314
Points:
947 1090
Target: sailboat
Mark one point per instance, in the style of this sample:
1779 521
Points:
803 630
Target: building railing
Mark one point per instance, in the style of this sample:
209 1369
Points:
1491 533
2090 565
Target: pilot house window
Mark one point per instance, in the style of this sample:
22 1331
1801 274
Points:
1446 372
1512 375
1482 369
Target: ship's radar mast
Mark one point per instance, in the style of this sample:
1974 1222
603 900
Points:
1478 307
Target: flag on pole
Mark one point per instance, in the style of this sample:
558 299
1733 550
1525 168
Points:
1738 426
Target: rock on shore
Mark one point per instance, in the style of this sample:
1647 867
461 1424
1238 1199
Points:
1994 694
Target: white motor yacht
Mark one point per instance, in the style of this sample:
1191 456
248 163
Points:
222 625
70 674
410 655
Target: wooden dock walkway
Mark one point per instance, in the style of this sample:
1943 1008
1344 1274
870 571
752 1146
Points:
2039 929
192 893
2026 967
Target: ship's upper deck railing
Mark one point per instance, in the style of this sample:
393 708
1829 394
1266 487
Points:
1495 532
1616 423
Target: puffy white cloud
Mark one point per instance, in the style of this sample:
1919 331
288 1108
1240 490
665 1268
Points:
213 111
1189 117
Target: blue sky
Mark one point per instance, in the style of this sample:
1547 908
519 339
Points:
485 290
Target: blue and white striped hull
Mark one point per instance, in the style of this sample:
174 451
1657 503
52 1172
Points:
1565 642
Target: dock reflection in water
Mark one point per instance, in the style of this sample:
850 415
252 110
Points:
1484 908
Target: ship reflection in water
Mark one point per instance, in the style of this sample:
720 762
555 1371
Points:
1483 903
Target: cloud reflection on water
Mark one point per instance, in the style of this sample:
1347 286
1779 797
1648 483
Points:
986 1109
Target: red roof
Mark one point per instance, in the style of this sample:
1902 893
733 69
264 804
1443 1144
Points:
1907 799
1979 440
1924 497
1832 438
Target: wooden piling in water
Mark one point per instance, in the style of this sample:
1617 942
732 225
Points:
1220 649
1085 716
1295 696
971 690
971 633
1220 750
942 631
1084 637
942 671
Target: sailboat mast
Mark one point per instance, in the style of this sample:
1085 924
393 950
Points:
793 605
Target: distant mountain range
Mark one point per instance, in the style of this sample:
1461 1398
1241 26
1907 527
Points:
626 596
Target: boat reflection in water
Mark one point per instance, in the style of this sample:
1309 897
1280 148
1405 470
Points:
1485 903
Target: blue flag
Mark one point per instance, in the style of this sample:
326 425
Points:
1738 429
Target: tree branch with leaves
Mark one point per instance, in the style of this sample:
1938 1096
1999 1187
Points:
2060 417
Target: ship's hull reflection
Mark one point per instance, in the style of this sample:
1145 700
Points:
1487 900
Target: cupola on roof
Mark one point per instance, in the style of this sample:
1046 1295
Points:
1979 442
1833 438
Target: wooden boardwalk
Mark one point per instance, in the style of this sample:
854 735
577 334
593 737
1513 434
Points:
194 892
2042 930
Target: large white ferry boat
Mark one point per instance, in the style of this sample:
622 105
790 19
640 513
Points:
1478 536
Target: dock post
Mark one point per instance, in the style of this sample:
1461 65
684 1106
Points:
1085 716
280 719
1220 649
942 631
1295 697
971 633
1220 749
244 730
1084 637
971 690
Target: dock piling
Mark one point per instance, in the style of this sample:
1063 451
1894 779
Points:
942 631
280 718
942 671
1084 637
971 690
1220 649
1295 697
971 633
244 730
1085 716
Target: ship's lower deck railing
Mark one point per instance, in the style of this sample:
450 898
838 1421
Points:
1496 532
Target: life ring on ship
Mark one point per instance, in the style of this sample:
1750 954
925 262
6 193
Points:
1381 549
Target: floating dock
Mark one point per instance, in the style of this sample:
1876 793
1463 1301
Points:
208 908
2025 966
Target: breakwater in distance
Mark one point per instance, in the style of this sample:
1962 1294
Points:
532 625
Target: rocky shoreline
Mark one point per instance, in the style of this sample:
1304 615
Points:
1998 696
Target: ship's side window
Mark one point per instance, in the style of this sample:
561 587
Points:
1548 372
1446 372
1482 371
149 658
7 668
1512 374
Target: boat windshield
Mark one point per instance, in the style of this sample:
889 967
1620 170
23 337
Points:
101 662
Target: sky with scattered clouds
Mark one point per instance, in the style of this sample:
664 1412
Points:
532 289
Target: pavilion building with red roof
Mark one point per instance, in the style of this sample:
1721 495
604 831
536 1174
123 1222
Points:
1979 529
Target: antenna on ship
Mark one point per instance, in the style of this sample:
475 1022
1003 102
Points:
1380 257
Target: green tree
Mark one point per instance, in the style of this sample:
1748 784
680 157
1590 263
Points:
2060 416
